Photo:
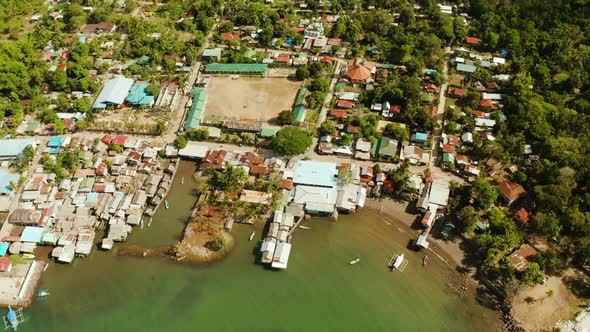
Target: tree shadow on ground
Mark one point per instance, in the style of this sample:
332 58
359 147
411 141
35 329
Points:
579 284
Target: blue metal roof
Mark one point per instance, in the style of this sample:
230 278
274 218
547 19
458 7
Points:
315 173
5 179
3 248
114 92
54 142
32 234
138 95
11 148
421 136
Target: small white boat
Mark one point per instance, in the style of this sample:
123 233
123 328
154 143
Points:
182 180
304 227
354 261
141 224
251 236
166 204
397 262
150 222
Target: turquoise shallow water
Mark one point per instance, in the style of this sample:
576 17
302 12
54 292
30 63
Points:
319 291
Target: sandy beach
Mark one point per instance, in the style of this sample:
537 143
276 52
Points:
396 213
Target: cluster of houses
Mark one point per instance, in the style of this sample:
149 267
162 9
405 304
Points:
276 247
108 189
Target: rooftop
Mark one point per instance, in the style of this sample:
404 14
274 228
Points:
14 147
236 68
315 173
114 92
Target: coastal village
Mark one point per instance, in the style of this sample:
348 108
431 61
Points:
284 129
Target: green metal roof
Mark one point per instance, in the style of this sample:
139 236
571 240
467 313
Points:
269 131
301 96
466 68
300 113
448 157
212 52
195 116
193 119
236 68
387 147
32 126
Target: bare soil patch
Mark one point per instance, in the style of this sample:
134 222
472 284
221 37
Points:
250 98
542 306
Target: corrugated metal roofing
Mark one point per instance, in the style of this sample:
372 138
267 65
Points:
315 173
195 116
138 95
11 148
54 142
300 113
212 52
236 68
466 68
32 234
114 92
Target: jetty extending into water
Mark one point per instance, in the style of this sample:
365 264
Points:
276 247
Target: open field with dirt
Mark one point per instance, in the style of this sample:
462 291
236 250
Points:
250 97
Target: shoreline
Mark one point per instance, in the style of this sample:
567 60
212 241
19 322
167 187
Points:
394 213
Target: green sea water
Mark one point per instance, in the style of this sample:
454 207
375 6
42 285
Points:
319 291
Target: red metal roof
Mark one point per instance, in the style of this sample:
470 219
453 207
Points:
341 114
287 184
283 58
5 264
473 41
486 103
523 215
478 113
119 140
345 104
448 148
298 29
106 139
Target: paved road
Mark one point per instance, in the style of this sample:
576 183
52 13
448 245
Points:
440 116
330 94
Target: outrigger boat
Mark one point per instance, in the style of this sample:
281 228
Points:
13 318
396 262
141 224
425 260
166 204
150 222
354 261
251 236
304 227
182 180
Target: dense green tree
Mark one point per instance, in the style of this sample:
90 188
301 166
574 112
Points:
231 179
180 142
328 127
302 73
285 117
484 194
397 132
291 141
